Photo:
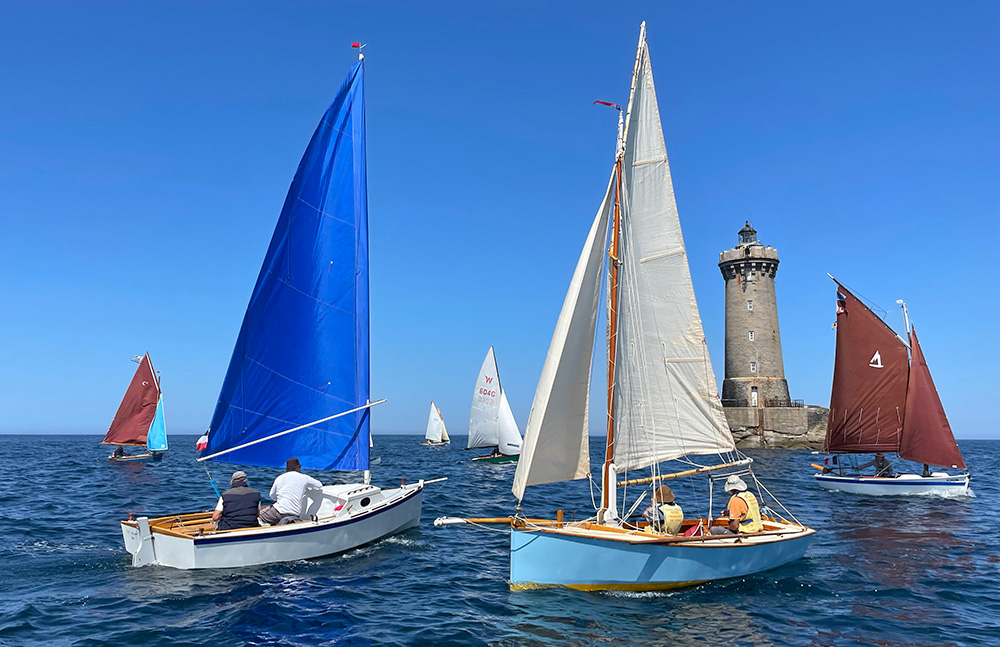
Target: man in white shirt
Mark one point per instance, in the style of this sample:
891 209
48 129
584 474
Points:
287 492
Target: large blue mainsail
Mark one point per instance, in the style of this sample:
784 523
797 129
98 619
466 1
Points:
302 352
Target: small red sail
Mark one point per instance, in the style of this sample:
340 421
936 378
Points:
869 382
927 436
137 409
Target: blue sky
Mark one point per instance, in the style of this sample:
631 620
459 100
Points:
147 148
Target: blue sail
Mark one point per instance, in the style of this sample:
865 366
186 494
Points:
302 353
156 437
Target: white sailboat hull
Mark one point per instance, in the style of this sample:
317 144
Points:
587 561
939 484
341 518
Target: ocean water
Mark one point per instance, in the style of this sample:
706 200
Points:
882 571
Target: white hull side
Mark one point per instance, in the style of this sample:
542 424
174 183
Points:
902 485
398 511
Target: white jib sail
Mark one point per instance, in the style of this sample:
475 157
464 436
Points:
435 426
484 416
508 436
555 439
666 400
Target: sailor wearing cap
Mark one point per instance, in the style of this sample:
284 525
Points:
238 506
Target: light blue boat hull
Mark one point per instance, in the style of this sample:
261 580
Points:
542 559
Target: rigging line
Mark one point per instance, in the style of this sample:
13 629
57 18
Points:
212 481
775 499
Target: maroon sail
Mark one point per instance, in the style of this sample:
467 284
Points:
137 409
927 436
869 381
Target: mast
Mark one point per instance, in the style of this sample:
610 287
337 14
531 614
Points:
906 316
608 475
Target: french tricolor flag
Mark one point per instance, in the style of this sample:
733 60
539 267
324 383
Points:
202 443
841 302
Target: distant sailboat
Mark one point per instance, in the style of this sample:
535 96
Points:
884 401
491 422
298 381
436 434
662 400
139 420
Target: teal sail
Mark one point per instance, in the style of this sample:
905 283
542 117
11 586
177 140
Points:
302 352
156 438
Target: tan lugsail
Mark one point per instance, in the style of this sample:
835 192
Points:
927 436
868 396
666 401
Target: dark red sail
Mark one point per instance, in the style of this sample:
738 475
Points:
927 436
869 381
137 409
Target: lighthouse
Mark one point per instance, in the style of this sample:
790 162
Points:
754 391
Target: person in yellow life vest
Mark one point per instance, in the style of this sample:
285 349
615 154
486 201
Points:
743 510
664 516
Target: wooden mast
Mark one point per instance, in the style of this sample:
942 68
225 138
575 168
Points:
607 479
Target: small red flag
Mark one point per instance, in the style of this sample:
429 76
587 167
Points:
355 44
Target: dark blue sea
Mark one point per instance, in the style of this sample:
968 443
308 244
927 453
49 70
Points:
882 571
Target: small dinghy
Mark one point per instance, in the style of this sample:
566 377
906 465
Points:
139 421
436 434
883 400
491 422
301 361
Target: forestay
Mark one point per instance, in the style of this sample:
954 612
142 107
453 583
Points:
302 351
666 400
556 437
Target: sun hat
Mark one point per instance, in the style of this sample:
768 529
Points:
237 477
664 494
735 483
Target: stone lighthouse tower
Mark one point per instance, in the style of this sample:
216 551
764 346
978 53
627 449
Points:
755 374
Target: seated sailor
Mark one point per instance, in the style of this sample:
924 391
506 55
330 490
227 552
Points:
882 466
743 510
286 492
238 506
664 515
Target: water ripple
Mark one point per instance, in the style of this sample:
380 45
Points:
883 571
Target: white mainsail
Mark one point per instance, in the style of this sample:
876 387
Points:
491 422
666 401
435 426
555 439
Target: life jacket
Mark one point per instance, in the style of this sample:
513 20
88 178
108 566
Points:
750 522
239 508
672 519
